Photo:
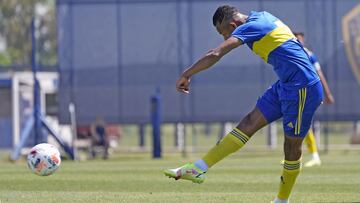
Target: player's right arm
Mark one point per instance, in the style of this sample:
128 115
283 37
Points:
205 62
329 99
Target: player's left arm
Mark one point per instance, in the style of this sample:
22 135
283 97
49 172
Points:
329 99
205 62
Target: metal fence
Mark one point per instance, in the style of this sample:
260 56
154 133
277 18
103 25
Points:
114 54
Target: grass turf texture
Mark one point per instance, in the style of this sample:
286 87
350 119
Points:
244 177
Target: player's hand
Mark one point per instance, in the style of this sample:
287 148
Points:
329 99
182 84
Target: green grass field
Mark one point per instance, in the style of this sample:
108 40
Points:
244 177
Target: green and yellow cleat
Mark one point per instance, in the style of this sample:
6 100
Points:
187 172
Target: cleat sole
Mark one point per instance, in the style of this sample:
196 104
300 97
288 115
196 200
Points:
171 175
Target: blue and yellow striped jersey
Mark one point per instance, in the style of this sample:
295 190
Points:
274 42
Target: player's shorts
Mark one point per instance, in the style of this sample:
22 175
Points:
297 107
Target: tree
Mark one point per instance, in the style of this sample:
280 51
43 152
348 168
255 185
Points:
15 21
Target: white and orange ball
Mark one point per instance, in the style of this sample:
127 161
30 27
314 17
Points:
44 159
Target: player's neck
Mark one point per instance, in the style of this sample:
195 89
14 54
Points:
240 19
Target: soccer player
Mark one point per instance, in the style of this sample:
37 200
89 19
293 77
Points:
329 99
294 97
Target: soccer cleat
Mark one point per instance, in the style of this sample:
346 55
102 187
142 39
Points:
187 172
313 162
277 200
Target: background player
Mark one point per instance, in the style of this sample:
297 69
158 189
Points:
294 97
328 99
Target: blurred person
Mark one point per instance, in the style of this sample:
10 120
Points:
99 137
329 99
294 97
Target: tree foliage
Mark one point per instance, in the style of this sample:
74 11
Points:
15 30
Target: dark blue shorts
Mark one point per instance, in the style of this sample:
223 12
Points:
297 107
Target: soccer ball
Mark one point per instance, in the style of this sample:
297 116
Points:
44 159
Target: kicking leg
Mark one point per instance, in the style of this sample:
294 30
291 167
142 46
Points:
232 142
237 138
267 110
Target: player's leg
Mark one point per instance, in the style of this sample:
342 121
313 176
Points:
312 148
297 117
231 143
267 110
234 140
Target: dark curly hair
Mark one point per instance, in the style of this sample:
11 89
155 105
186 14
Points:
224 12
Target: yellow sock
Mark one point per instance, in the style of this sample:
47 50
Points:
310 141
229 144
290 172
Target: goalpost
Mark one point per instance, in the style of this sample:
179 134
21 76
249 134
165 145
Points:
22 98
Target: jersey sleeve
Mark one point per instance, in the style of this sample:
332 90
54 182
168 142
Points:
247 33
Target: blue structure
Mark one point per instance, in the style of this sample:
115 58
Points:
156 123
114 53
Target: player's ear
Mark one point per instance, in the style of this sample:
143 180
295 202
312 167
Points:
233 24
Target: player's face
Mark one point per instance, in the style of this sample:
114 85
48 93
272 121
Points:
225 29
